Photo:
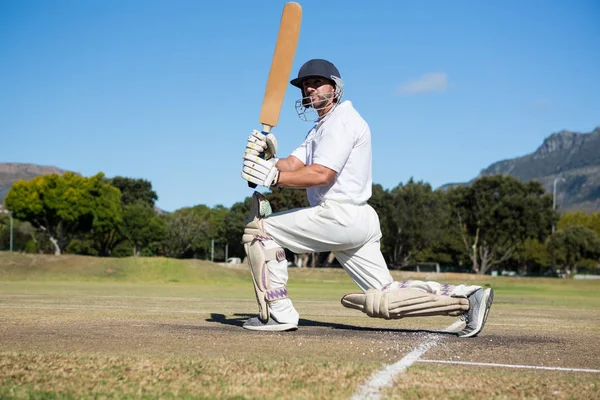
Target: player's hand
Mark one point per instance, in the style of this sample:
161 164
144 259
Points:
260 144
259 171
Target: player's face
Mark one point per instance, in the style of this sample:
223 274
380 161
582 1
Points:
321 93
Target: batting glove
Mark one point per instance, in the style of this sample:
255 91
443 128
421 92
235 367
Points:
260 144
259 171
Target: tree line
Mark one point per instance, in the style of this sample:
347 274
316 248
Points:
496 222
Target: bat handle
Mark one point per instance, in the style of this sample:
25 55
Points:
266 129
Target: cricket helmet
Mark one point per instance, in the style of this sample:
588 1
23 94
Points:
312 69
316 68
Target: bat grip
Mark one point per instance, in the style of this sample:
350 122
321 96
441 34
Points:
266 129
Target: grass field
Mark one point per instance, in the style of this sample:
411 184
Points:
82 327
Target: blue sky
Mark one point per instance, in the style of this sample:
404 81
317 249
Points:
168 91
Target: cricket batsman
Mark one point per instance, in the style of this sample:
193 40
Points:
334 165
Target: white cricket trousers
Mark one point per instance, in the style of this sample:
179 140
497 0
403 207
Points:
350 231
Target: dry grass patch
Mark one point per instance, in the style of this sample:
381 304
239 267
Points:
54 375
468 382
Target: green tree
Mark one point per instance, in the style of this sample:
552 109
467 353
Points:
108 215
23 234
213 219
496 214
572 218
142 226
574 244
134 190
414 220
286 199
186 234
381 201
65 207
233 227
448 248
532 254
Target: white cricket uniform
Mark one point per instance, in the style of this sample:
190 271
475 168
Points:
339 218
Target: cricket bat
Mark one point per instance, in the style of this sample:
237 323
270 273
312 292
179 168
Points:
281 67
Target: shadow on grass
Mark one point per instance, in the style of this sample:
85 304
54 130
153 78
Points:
239 319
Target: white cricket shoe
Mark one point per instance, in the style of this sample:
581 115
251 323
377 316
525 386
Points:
480 303
255 324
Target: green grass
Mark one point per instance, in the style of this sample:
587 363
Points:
17 267
306 283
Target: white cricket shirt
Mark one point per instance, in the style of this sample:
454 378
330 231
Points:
341 142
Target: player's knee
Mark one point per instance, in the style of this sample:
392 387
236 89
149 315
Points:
253 230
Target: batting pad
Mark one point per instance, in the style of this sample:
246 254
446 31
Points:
404 302
261 253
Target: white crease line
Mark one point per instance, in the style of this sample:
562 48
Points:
383 378
510 366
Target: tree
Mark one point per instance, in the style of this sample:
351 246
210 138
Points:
108 214
64 207
381 201
572 218
186 233
574 244
233 226
23 234
496 214
141 226
134 190
286 199
413 220
532 254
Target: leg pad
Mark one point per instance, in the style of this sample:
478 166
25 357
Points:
261 252
396 303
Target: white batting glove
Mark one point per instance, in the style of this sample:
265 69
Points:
259 171
259 144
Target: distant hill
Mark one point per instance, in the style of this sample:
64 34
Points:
12 172
572 156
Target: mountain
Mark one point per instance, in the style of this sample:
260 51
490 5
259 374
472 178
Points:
570 159
12 172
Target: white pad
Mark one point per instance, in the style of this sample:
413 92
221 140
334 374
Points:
395 302
263 252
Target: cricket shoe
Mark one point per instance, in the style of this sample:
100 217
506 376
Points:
480 303
255 324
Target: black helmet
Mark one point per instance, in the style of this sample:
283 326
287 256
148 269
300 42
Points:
313 68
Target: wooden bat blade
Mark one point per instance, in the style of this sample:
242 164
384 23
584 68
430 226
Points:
281 66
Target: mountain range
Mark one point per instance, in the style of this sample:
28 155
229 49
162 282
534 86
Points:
569 161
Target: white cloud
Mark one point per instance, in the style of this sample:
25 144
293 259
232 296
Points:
540 106
432 82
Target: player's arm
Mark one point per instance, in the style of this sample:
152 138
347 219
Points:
289 164
305 176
